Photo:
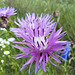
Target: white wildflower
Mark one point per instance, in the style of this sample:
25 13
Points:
1 39
3 29
2 61
2 44
11 39
7 42
6 52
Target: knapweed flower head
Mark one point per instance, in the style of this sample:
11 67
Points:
6 12
4 15
32 21
42 39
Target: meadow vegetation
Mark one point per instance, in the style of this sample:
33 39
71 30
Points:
66 18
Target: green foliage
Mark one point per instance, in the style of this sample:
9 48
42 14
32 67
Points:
66 19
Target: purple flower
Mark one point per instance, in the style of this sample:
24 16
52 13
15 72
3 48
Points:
4 15
6 12
31 21
42 39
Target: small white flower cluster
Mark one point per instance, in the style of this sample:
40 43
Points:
5 53
3 41
3 29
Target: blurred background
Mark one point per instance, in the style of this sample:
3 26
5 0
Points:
63 11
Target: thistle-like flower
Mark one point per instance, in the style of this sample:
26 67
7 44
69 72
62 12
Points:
42 39
32 21
6 12
4 15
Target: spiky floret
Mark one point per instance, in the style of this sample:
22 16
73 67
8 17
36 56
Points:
42 41
6 12
32 21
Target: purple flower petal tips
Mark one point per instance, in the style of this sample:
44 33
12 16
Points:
42 39
4 15
6 12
